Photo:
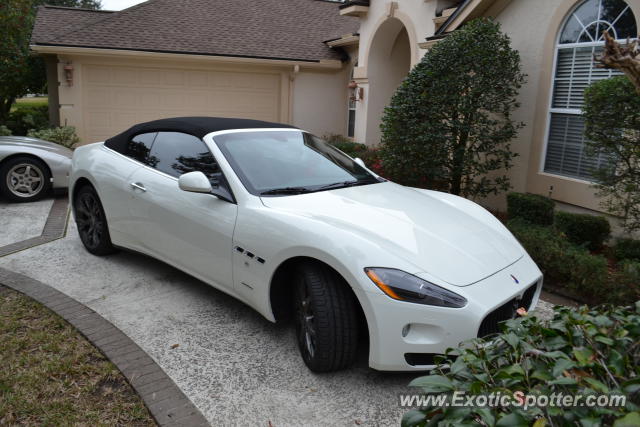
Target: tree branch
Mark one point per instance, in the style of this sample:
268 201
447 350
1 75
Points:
625 58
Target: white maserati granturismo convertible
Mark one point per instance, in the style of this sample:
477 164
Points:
293 227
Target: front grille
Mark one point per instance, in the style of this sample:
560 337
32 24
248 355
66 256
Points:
491 323
527 297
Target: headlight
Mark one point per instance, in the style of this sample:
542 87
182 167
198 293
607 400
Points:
403 286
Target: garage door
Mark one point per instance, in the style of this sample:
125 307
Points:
117 97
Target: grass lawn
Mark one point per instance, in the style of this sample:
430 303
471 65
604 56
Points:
51 375
31 102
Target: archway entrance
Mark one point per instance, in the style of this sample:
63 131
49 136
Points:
389 63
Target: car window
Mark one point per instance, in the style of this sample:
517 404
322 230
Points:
176 153
139 147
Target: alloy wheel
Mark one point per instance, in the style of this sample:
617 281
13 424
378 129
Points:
25 180
90 219
306 330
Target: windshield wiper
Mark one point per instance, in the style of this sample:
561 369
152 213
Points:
345 184
286 190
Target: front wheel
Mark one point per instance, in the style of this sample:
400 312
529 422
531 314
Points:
325 317
92 222
24 179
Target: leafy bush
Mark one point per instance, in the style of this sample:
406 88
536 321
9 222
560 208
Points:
574 270
627 249
344 144
580 352
533 208
27 117
5 131
369 155
625 282
571 267
612 118
449 124
65 135
583 229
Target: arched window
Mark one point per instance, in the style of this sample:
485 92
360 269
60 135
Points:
581 38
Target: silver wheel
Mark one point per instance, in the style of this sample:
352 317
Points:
25 180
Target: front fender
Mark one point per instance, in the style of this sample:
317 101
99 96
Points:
277 237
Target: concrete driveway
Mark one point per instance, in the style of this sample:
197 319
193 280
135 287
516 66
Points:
238 368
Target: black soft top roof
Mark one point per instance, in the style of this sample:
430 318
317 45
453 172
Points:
196 126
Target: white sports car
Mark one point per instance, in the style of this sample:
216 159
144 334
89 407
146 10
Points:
293 227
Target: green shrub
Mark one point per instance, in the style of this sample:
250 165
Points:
533 208
5 131
563 263
627 249
65 135
624 284
26 117
450 124
344 144
612 131
582 229
580 352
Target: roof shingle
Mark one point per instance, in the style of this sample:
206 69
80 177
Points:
54 21
274 29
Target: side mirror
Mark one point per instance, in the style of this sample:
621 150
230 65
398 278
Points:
195 182
359 161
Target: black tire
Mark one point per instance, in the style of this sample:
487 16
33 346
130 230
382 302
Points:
92 222
325 318
24 179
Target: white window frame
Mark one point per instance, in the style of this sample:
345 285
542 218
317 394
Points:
572 111
351 108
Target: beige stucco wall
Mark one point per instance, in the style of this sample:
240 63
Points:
417 18
311 97
533 27
544 20
320 101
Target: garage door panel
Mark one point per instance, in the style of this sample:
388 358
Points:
198 79
124 76
117 97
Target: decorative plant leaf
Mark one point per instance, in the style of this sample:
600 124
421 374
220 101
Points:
433 384
630 420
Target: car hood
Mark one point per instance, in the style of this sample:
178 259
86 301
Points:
23 141
458 243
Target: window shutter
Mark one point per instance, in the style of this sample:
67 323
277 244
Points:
566 148
575 71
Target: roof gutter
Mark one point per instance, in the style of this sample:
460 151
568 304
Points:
452 18
50 48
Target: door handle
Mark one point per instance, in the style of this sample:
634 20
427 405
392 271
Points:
138 186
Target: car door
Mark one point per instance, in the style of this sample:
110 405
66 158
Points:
113 174
192 231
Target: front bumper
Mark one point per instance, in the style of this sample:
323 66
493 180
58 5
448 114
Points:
60 171
434 329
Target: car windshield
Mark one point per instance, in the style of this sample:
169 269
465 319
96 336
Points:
273 163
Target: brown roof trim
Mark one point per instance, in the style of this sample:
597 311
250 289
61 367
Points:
350 3
311 61
81 9
341 37
452 18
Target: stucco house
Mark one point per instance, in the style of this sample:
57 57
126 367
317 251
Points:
326 66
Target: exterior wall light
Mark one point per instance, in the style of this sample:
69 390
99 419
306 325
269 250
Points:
68 73
357 93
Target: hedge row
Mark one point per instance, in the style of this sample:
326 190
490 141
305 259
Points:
574 268
580 352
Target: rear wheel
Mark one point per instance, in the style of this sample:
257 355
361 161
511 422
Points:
92 222
325 317
24 179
